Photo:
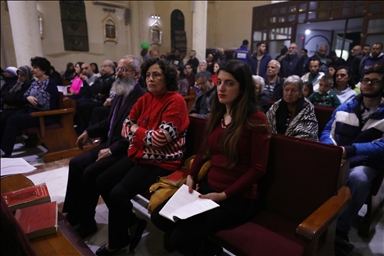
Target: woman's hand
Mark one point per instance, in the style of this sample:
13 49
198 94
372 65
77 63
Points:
124 131
191 184
217 197
32 100
134 128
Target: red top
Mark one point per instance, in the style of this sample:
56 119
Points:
214 78
163 122
253 149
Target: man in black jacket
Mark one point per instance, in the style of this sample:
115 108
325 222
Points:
93 95
81 197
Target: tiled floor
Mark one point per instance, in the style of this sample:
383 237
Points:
55 176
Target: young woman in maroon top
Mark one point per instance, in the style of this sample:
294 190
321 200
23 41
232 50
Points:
237 144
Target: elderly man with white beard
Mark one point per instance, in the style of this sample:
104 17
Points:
81 196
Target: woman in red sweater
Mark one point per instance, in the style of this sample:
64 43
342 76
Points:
156 129
237 144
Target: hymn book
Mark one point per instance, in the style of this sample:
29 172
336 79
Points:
38 220
183 205
25 197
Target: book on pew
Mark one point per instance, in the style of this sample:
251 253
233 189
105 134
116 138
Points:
38 220
176 177
25 197
183 205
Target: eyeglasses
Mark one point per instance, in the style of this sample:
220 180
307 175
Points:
374 81
123 69
341 75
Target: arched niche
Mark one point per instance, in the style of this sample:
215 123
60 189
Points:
110 29
156 33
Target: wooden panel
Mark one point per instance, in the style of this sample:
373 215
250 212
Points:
15 182
55 244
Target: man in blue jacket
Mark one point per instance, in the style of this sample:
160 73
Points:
358 126
376 56
242 53
260 60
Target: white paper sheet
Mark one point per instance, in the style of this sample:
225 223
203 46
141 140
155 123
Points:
183 205
10 166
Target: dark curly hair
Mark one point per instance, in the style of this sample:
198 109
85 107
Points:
169 71
41 63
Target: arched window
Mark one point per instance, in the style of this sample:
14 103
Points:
178 35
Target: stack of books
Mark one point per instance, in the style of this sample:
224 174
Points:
33 209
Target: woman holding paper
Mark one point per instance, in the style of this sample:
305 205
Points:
237 144
156 128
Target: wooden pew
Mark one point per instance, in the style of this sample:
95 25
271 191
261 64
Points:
59 138
302 200
190 98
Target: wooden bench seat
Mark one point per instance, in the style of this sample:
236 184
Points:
190 98
302 197
59 138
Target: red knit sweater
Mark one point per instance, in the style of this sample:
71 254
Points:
253 148
160 139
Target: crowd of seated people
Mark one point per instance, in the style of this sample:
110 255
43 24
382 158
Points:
41 95
117 93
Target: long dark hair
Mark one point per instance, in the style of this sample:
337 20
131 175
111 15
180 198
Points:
80 63
243 105
168 69
96 67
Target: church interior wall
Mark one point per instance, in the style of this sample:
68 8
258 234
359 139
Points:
228 23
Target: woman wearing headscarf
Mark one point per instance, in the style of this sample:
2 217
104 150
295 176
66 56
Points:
294 115
41 95
14 98
13 102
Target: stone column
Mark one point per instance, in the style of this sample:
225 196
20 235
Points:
135 28
199 29
25 31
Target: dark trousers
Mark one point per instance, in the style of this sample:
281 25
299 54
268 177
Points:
188 235
14 125
81 197
5 114
83 115
118 185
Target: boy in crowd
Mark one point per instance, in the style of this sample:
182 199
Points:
325 96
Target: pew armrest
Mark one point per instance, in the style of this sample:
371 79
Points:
319 221
42 114
52 112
